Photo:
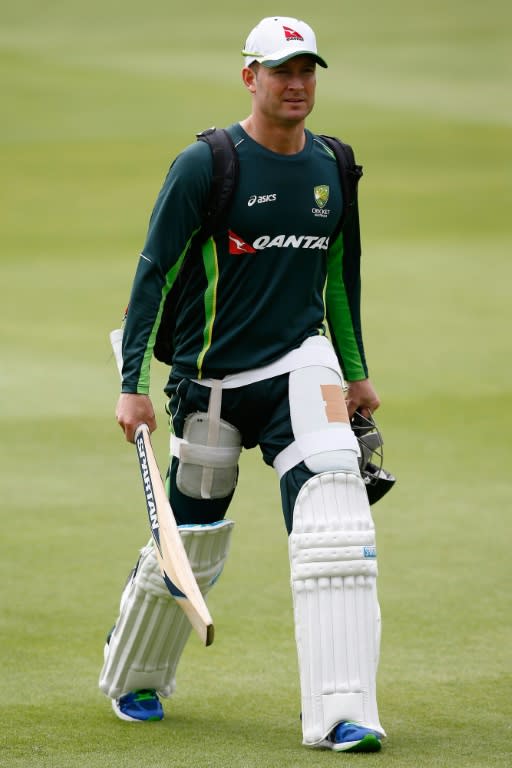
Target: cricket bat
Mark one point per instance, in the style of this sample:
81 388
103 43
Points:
170 552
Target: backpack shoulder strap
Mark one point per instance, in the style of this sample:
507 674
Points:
224 177
349 171
223 185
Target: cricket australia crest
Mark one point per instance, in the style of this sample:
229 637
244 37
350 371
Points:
321 195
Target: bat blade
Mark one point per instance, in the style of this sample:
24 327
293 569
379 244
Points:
170 552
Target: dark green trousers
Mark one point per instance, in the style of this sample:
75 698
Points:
261 413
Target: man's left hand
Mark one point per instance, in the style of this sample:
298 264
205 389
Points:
361 395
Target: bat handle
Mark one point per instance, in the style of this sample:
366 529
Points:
143 427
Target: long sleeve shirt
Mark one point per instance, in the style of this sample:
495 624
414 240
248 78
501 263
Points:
277 272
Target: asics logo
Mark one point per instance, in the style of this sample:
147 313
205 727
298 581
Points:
258 199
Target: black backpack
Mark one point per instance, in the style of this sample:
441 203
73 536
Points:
223 186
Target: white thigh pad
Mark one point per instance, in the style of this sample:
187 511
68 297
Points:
337 618
152 630
207 467
323 437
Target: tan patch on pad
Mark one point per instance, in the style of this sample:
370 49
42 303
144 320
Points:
335 405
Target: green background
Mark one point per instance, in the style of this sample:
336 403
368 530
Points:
96 99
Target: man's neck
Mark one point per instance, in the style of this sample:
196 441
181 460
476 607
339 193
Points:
285 139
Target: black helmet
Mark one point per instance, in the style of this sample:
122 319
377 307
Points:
376 479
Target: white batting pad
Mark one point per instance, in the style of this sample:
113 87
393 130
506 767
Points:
337 618
152 630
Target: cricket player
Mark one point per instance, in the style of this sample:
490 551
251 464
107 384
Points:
268 352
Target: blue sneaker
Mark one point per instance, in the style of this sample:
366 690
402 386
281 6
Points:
350 737
138 706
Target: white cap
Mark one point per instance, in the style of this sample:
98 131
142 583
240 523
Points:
278 38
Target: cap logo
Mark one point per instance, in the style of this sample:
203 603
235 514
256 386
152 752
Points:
291 34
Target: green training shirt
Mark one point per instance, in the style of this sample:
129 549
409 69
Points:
276 274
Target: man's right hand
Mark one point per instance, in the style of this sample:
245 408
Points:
133 410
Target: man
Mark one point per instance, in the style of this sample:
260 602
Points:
252 365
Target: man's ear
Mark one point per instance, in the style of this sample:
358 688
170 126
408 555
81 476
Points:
249 79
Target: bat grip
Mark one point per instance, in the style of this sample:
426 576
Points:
143 427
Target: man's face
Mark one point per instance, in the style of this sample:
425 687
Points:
286 93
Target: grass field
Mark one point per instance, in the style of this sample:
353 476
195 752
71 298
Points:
96 100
